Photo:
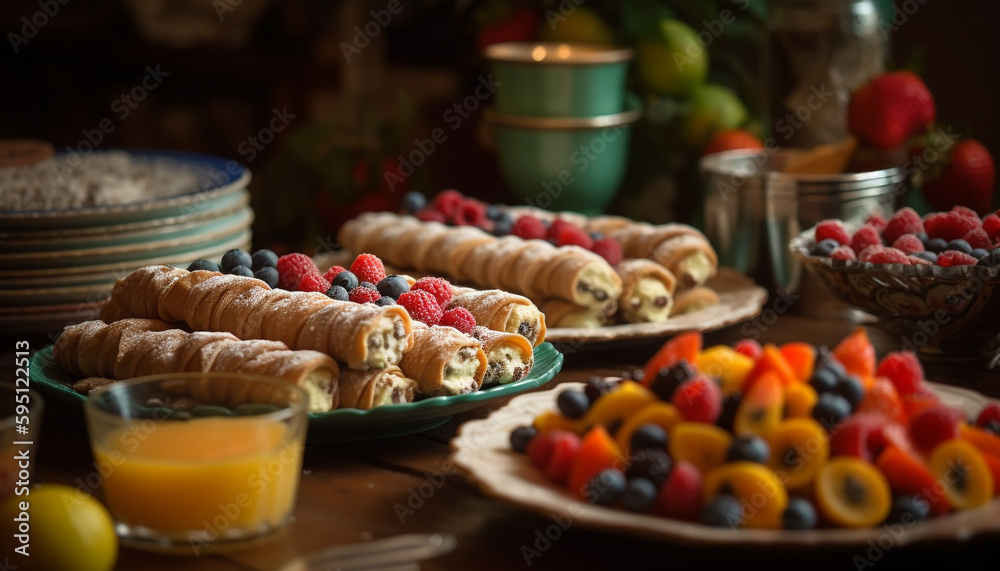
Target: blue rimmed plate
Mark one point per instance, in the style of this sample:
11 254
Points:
351 425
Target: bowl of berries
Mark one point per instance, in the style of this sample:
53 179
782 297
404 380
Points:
934 280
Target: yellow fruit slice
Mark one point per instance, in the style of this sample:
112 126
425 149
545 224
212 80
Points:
724 363
662 414
961 468
799 449
762 496
701 444
852 493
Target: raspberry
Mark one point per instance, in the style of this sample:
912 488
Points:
949 225
437 287
864 237
421 306
991 225
955 258
291 268
364 294
313 282
965 211
459 318
934 425
471 212
572 236
908 243
332 273
877 222
749 347
915 261
556 227
447 202
833 229
609 249
368 268
699 399
903 369
430 215
883 255
978 238
843 253
528 227
904 221
989 413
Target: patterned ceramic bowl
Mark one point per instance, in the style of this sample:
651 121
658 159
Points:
944 314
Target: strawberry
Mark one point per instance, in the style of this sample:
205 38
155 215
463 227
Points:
967 179
889 109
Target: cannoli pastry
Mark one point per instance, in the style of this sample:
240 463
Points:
502 311
148 347
647 292
375 387
509 356
563 314
689 257
444 361
693 299
361 335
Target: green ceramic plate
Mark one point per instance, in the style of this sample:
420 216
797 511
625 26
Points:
350 425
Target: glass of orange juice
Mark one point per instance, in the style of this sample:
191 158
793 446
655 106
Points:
198 462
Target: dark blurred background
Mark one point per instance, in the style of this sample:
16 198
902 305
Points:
225 77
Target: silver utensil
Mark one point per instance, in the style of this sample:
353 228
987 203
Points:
398 553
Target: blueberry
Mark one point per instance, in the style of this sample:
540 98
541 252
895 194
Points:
338 292
648 436
493 212
667 380
345 279
263 259
414 201
233 258
748 449
937 245
369 285
730 404
521 436
724 510
503 225
993 426
650 464
825 248
204 265
922 236
384 301
639 495
908 510
831 409
393 286
823 380
241 271
635 374
851 389
595 236
992 260
960 245
267 275
800 514
928 255
596 387
606 487
572 403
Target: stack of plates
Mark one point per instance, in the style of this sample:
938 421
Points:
58 266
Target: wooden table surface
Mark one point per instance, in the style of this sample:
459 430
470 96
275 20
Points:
351 492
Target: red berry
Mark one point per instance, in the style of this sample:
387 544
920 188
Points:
572 236
421 306
908 243
832 229
903 369
843 253
540 448
749 347
459 318
904 221
915 261
566 446
876 221
363 294
978 238
556 227
889 109
368 268
991 225
680 495
437 287
471 212
989 413
864 237
609 249
528 227
949 225
447 201
955 258
965 211
934 425
431 215
332 273
883 255
699 399
291 268
313 282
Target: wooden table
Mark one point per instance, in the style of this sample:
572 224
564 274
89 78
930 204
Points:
350 492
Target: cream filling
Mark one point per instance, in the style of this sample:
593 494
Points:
385 390
386 343
317 385
650 302
521 315
584 319
598 290
697 268
459 375
503 361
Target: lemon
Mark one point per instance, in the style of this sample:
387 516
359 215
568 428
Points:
712 108
67 530
581 26
674 63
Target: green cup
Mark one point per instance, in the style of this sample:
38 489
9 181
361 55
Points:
558 80
574 164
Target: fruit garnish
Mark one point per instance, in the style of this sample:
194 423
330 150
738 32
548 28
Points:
968 481
852 493
798 450
753 485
